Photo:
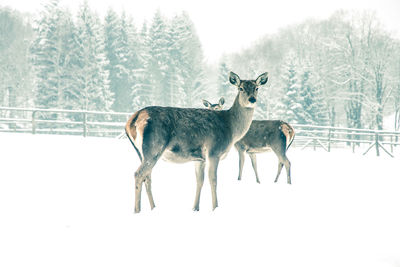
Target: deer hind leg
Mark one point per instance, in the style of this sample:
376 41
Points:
199 167
241 160
283 160
280 151
254 164
143 174
140 176
280 165
287 166
212 176
148 190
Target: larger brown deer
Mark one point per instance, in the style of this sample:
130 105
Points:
191 134
263 136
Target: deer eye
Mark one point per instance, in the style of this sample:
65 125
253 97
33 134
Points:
240 89
256 88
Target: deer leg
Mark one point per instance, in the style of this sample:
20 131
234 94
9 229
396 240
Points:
212 176
241 163
138 190
254 164
199 167
280 152
143 174
280 165
283 160
148 190
287 166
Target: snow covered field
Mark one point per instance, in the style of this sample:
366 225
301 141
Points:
68 201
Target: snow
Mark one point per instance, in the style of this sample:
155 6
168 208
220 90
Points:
69 201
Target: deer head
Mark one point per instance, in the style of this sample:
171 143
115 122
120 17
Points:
218 106
248 89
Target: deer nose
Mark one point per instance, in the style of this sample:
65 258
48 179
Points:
252 99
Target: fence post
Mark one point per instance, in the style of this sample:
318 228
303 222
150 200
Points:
329 140
391 143
33 122
84 124
377 143
353 143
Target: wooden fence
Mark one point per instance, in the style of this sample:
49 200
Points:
111 124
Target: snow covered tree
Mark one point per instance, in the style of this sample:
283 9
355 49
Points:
93 76
192 65
56 60
70 93
381 49
290 108
314 108
224 87
121 47
159 41
47 56
141 89
176 68
16 77
112 29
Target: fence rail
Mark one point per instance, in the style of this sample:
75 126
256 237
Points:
110 124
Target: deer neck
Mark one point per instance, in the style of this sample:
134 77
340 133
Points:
240 119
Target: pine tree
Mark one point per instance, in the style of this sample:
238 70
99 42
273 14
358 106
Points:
46 54
158 61
121 46
141 88
290 108
70 92
224 87
176 68
93 77
112 28
134 60
16 75
315 108
192 66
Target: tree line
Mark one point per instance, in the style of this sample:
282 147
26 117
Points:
342 71
84 62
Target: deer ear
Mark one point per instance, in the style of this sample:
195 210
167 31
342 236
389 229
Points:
262 79
221 101
234 79
206 103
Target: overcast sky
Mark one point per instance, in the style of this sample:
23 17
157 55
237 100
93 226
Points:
225 26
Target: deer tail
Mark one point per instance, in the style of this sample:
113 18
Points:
130 130
288 131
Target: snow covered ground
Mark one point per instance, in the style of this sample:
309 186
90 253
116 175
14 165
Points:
68 201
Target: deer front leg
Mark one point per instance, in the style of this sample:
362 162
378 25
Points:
241 163
199 167
254 164
212 175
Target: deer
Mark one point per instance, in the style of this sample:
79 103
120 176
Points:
263 136
182 135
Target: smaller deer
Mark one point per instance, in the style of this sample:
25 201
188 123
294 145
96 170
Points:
218 106
263 136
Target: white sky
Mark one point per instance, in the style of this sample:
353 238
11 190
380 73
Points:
226 26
